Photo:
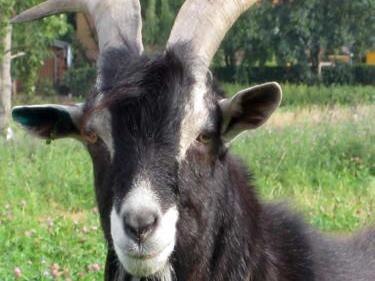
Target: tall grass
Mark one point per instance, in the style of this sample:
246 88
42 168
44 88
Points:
47 213
326 168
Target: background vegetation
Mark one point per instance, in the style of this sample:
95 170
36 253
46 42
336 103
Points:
276 33
32 39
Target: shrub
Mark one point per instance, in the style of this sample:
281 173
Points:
45 88
341 74
364 74
79 80
344 74
243 74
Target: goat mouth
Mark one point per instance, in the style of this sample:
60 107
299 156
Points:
142 256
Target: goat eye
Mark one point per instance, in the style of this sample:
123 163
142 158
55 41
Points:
204 138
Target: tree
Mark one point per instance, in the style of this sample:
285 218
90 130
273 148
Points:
249 37
296 32
5 61
361 26
5 80
33 39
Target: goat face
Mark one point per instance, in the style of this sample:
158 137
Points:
156 133
155 128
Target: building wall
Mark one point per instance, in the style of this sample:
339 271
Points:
54 67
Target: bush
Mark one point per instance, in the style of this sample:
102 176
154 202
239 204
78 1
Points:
364 74
79 80
342 74
243 74
226 74
45 88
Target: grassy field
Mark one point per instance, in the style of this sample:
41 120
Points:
321 158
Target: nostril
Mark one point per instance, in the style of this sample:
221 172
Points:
130 230
139 225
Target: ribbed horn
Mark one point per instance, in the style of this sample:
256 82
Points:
204 23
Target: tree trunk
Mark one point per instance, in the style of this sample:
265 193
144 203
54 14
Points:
5 82
315 57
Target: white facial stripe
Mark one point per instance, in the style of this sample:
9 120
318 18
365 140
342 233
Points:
155 251
141 195
75 113
196 114
100 122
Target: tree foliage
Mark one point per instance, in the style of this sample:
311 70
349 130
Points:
34 39
283 32
293 32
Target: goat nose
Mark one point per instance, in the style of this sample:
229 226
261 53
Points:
139 225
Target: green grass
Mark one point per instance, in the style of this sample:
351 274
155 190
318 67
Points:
326 168
47 211
302 95
47 206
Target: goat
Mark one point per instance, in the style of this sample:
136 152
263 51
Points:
174 204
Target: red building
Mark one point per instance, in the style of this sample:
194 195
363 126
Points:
60 60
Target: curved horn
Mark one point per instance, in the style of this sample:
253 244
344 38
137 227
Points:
204 24
117 22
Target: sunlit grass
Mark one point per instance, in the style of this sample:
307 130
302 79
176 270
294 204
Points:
47 214
326 166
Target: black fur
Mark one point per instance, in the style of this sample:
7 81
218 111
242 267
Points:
224 231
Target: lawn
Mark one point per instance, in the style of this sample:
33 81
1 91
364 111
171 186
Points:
321 158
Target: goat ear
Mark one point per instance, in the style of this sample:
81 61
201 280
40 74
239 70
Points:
50 121
249 108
